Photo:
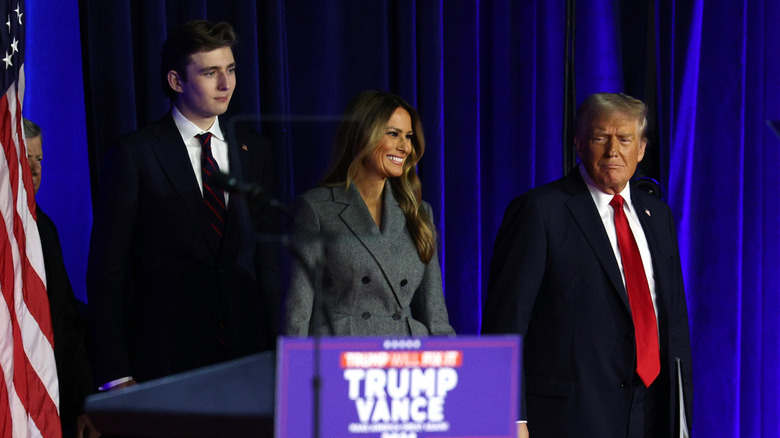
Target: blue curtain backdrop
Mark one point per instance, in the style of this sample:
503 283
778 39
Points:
487 77
54 99
720 81
484 94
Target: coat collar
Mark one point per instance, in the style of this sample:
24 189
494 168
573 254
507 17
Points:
358 218
377 242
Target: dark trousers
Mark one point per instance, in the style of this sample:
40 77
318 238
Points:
643 420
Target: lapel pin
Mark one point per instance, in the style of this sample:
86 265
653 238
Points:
243 146
647 212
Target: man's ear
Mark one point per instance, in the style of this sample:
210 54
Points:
175 81
578 146
642 148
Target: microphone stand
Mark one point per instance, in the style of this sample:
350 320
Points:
314 270
314 273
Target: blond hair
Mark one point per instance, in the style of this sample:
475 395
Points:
358 135
608 103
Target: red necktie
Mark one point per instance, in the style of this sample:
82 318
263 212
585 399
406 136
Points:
648 363
213 197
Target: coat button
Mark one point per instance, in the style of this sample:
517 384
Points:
365 280
366 315
396 316
403 282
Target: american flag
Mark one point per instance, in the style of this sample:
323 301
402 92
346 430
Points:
29 394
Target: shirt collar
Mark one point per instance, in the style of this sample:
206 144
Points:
189 129
602 199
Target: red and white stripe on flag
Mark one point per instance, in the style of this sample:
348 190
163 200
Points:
29 392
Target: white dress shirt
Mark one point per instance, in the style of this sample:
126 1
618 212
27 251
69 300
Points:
607 214
219 149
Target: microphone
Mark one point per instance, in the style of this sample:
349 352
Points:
253 192
231 184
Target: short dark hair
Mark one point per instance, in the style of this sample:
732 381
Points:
31 129
607 103
189 38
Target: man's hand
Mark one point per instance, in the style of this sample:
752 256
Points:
85 428
522 430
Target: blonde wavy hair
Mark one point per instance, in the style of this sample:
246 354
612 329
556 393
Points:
359 134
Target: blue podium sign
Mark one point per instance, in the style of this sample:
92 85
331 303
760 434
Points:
399 387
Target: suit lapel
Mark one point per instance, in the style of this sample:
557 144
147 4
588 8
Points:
355 213
393 223
583 209
359 221
238 208
649 222
172 155
651 225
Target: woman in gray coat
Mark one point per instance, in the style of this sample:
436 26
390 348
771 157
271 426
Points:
380 273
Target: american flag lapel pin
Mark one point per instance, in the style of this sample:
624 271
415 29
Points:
243 146
647 212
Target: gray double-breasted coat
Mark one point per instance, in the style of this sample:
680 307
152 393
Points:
374 283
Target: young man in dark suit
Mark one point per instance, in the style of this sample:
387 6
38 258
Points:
177 278
587 269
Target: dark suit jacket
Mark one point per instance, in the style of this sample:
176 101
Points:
73 371
373 281
163 298
554 279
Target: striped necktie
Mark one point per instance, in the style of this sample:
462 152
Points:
213 197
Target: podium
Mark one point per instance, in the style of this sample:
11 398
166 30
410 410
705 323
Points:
463 386
231 399
372 387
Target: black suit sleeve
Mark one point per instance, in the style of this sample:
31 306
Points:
259 170
73 370
516 273
516 269
109 280
680 336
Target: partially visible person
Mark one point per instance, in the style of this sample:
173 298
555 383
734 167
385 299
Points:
70 353
177 278
381 272
587 270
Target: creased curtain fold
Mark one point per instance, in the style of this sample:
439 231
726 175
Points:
487 78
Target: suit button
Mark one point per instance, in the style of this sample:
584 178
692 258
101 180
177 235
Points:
365 280
403 282
396 316
366 315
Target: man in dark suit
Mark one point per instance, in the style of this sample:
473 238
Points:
596 289
177 278
70 354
